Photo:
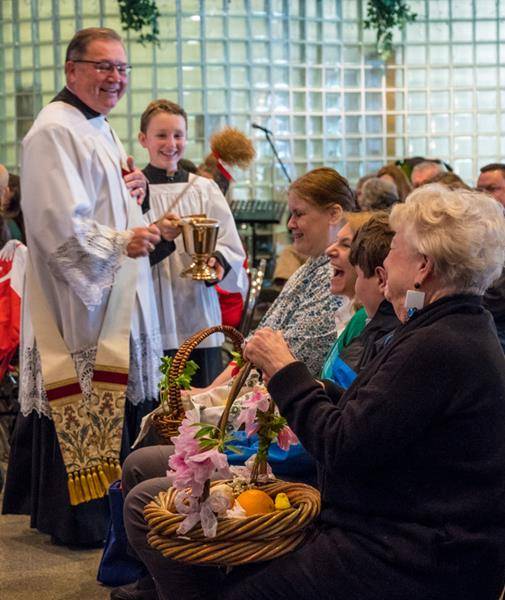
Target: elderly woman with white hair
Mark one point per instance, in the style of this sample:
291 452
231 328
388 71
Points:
411 457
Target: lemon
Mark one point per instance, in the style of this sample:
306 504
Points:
255 502
282 501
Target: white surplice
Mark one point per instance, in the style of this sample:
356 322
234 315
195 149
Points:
77 210
186 306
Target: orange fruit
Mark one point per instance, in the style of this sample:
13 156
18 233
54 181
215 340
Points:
255 502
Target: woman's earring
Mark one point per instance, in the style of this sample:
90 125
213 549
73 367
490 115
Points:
414 300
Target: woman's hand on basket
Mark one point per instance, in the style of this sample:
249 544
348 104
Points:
268 351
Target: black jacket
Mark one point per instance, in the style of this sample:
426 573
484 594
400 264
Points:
363 348
412 459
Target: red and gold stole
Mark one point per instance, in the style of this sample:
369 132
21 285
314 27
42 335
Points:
89 429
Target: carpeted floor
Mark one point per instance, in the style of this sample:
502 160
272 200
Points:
31 568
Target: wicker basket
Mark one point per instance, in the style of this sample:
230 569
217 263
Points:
167 423
238 540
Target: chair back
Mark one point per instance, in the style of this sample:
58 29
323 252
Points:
256 277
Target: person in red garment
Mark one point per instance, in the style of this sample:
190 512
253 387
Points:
12 267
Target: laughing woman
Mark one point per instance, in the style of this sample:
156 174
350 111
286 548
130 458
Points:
350 319
305 310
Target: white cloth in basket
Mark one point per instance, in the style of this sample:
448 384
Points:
207 406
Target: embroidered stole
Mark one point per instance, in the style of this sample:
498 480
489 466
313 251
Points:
89 429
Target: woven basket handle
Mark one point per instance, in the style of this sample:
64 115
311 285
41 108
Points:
237 384
181 358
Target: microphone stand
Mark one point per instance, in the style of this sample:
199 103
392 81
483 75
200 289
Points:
268 135
274 150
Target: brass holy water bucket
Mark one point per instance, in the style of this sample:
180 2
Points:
199 234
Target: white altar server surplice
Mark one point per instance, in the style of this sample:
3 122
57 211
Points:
186 306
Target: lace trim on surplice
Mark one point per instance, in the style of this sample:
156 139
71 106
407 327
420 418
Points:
89 260
143 376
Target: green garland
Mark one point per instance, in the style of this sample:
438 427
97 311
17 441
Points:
137 14
183 381
384 16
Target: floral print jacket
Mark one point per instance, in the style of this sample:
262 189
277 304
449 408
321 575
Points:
305 313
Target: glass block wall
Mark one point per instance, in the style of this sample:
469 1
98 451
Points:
305 69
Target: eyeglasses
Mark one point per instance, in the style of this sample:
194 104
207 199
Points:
104 66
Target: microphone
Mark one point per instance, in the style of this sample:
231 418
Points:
264 129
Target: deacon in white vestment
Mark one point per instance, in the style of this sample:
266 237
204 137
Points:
77 239
186 306
82 221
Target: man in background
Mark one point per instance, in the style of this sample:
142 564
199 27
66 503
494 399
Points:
492 181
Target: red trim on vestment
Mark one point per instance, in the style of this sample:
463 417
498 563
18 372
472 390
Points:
110 377
72 389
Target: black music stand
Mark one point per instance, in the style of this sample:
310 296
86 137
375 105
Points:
257 212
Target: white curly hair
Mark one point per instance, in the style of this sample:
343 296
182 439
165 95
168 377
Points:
462 231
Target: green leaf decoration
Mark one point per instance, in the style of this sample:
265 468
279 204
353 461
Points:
191 368
209 430
138 15
384 16
207 444
234 449
166 363
183 380
117 421
238 358
66 437
95 419
84 433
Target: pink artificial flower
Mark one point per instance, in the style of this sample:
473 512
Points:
182 472
177 462
192 471
186 443
286 438
258 400
218 459
181 475
247 418
216 462
189 466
